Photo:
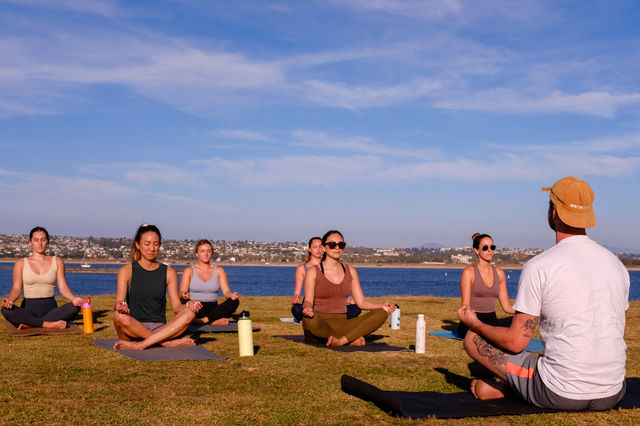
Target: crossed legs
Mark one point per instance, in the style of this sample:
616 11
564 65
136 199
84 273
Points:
492 358
132 334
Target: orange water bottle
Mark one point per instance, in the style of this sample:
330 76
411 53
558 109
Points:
87 316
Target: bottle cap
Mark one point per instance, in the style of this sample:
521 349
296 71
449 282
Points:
244 315
420 315
86 304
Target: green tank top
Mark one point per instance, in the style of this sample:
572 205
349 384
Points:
147 295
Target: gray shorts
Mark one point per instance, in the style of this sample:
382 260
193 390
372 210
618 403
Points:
153 326
524 379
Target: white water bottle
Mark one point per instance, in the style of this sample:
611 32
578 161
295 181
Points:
245 334
421 328
395 319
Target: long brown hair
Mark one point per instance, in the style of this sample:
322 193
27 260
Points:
308 257
144 228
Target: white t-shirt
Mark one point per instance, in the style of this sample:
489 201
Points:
580 291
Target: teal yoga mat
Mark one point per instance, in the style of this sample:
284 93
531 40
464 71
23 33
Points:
534 346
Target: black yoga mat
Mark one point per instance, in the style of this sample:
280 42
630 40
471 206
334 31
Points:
34 331
232 327
158 353
369 347
418 405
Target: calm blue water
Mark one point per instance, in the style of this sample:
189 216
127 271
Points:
278 281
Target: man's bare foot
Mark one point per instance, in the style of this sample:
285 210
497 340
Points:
483 390
184 341
221 321
23 326
55 324
337 341
127 344
358 342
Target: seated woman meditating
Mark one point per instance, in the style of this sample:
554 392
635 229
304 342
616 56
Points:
201 283
483 283
327 287
37 275
315 251
141 298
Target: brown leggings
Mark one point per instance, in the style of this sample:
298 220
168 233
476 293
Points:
319 328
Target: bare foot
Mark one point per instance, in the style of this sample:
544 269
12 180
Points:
337 341
185 341
23 326
127 344
221 321
55 324
483 390
358 342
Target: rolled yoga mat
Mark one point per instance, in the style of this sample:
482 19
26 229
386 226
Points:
418 405
159 353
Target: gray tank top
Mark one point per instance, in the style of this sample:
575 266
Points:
204 291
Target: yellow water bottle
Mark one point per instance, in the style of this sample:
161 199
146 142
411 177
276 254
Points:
87 316
245 334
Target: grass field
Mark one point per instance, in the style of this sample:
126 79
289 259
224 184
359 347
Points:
68 380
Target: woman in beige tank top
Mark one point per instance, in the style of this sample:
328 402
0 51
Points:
481 284
36 276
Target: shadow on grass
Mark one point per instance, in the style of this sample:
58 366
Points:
461 382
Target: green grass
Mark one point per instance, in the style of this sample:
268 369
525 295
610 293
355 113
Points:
68 380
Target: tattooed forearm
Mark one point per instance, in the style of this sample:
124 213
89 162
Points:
486 349
529 327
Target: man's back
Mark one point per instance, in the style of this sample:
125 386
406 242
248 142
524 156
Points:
580 290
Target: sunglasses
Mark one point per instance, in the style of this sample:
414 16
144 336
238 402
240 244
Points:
492 247
332 244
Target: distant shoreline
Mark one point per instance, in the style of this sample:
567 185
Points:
95 265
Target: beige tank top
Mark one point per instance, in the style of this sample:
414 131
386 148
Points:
39 285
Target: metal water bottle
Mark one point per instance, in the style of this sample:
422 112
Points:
421 328
87 317
245 334
395 319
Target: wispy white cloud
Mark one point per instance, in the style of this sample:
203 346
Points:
359 144
145 174
509 101
356 97
431 9
94 7
293 171
247 135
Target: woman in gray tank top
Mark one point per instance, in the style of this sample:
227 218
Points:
481 284
202 282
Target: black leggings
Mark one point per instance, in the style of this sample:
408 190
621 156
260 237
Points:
215 310
34 312
487 318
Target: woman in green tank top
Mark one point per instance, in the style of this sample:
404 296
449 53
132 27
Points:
139 313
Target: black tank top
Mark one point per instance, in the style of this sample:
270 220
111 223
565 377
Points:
147 295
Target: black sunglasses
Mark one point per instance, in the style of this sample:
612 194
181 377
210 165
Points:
492 247
332 244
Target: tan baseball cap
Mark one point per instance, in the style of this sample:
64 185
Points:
573 199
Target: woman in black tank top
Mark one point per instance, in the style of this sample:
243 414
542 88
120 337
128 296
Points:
139 312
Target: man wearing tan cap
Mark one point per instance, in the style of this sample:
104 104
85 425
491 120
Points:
579 292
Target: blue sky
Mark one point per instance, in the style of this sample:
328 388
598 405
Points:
397 122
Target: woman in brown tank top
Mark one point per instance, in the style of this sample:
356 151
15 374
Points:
327 287
483 283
